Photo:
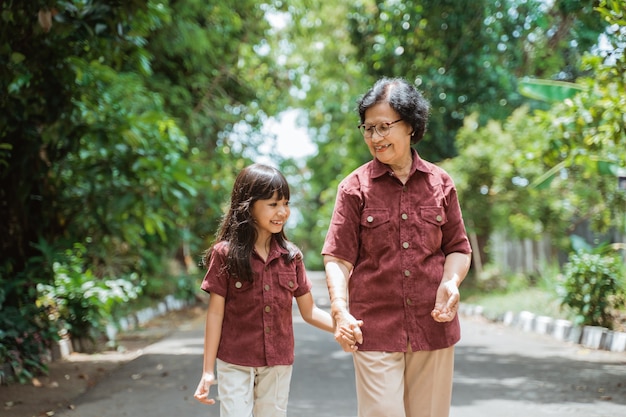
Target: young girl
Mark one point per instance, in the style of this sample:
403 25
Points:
253 274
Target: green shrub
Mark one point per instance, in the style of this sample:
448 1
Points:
79 301
25 338
591 287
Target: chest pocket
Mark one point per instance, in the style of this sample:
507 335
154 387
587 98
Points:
375 230
432 218
240 295
288 285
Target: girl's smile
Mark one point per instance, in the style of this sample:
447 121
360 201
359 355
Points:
270 215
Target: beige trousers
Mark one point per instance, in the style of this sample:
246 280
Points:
246 391
398 384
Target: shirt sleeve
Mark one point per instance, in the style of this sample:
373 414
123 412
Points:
216 278
454 233
342 239
304 283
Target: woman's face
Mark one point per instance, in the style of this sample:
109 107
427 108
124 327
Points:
395 148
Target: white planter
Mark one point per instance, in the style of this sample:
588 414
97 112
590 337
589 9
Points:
593 336
618 342
561 329
543 324
526 321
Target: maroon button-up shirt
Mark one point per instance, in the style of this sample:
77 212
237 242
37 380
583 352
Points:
397 237
257 329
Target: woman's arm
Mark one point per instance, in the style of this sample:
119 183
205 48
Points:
348 329
212 336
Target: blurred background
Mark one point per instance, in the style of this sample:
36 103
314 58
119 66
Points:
123 124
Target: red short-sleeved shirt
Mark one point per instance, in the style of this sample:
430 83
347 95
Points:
257 329
397 237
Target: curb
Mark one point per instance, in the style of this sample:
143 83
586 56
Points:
65 346
591 337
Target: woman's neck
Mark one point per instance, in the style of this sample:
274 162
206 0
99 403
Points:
402 171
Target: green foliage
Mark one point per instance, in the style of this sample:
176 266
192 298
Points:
494 280
118 131
25 341
547 171
79 302
426 42
26 332
548 90
592 287
116 200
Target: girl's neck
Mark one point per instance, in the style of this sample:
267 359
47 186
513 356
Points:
262 246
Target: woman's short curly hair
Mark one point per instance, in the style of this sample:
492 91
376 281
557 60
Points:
404 98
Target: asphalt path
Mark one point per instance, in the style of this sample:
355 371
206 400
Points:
499 371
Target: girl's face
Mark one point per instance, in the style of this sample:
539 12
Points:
270 215
395 148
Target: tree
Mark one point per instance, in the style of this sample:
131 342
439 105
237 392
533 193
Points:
122 136
547 171
466 57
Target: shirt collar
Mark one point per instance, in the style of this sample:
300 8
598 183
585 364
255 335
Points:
379 169
276 251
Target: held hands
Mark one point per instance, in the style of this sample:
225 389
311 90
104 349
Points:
202 392
447 302
348 331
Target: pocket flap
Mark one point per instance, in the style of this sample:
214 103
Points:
372 218
434 215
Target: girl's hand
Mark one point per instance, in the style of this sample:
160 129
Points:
347 337
348 332
202 392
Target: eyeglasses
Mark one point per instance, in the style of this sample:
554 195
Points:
381 128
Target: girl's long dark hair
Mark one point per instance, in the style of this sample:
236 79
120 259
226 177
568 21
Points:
255 182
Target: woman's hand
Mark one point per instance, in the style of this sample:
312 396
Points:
202 392
447 302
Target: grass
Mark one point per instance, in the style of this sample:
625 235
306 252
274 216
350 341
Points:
499 293
536 300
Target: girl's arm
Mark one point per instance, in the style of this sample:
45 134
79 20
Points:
212 336
314 315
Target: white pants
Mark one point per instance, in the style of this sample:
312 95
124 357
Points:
246 391
398 384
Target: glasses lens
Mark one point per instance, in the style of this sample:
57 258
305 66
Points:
383 129
362 129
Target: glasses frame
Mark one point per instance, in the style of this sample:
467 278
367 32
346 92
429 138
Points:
368 134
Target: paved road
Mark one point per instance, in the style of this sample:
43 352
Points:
500 371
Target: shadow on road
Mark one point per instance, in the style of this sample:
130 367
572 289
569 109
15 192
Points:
540 380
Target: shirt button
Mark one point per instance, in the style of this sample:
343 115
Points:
238 284
407 273
408 301
267 268
404 188
439 218
370 219
268 309
266 287
404 216
405 245
267 329
291 284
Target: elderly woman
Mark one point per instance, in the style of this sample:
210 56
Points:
397 244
